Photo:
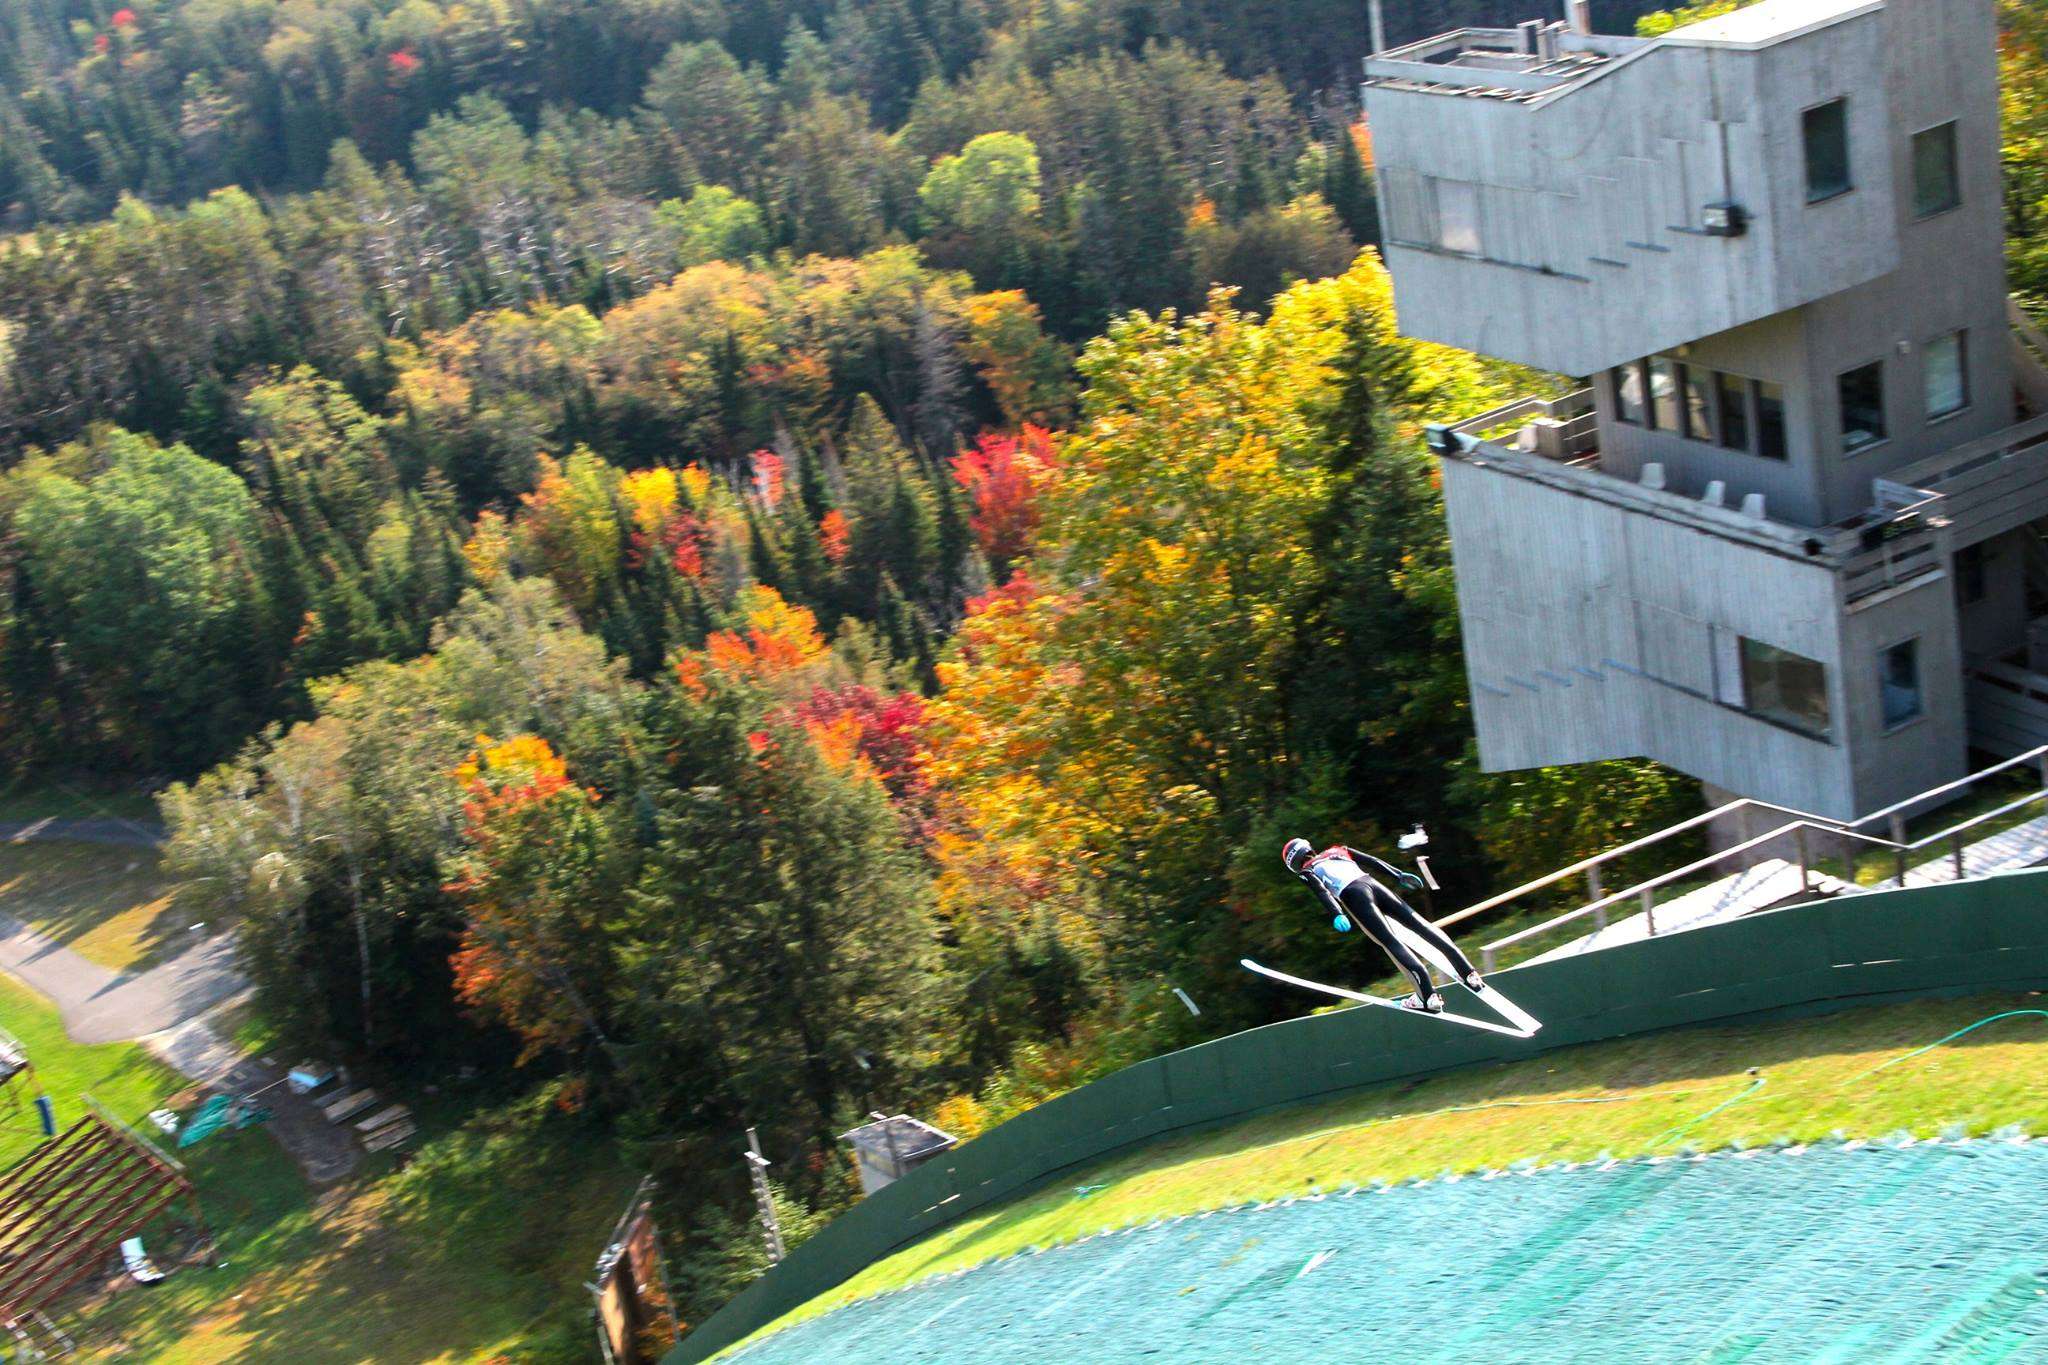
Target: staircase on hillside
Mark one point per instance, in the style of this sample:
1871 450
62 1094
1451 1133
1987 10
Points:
1766 886
2009 838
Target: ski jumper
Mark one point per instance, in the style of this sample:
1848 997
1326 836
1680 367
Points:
1345 886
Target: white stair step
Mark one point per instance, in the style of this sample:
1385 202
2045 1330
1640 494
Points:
1770 883
2022 846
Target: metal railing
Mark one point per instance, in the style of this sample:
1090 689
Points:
1800 829
1888 544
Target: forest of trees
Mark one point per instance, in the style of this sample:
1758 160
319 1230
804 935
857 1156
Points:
745 559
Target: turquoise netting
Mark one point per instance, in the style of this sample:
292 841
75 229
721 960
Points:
1877 1252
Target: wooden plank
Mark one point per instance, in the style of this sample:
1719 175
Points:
389 1136
349 1104
382 1117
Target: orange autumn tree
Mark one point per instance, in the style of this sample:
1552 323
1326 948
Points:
777 649
535 952
1009 844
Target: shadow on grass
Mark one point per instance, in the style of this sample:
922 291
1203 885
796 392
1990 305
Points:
109 903
479 1248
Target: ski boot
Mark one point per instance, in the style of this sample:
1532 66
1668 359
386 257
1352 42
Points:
1473 981
1433 1005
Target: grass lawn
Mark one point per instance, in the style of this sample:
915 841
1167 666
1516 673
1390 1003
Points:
107 903
477 1251
121 1076
1627 1097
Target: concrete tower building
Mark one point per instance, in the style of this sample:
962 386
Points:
1784 539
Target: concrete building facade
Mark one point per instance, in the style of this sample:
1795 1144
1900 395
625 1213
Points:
1783 538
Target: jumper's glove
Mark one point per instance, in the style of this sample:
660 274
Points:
1410 881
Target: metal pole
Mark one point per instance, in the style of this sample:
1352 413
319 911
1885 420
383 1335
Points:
1650 910
771 1226
1805 864
1595 893
1379 29
1955 852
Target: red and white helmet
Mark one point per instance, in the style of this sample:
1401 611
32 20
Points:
1296 853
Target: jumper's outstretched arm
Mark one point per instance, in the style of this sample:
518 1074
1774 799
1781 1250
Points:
1386 869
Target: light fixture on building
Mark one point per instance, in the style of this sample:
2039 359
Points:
1724 219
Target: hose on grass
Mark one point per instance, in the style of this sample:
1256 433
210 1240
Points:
1758 1083
1697 1119
1919 1051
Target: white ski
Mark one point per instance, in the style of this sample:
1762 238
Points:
1488 996
1508 1010
1362 999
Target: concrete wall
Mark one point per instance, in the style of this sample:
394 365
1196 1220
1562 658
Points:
1552 585
1584 195
1774 351
1591 199
1941 65
1937 67
1887 766
1592 631
1940 940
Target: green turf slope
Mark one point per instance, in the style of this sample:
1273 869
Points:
1656 1094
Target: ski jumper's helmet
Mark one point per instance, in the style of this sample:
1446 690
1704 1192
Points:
1296 854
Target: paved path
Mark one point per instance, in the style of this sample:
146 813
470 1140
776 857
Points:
126 833
101 1005
166 1007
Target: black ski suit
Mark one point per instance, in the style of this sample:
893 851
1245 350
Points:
1368 904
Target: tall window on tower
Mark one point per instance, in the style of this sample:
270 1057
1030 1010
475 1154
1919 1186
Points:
1772 440
1457 216
1862 397
1665 403
1948 375
1898 675
1731 395
1827 151
1937 187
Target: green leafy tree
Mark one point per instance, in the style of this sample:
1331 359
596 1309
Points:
714 224
147 575
782 933
989 189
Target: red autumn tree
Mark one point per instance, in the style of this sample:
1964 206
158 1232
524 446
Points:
1003 476
889 733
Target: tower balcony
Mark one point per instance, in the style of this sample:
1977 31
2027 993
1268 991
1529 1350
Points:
1900 537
